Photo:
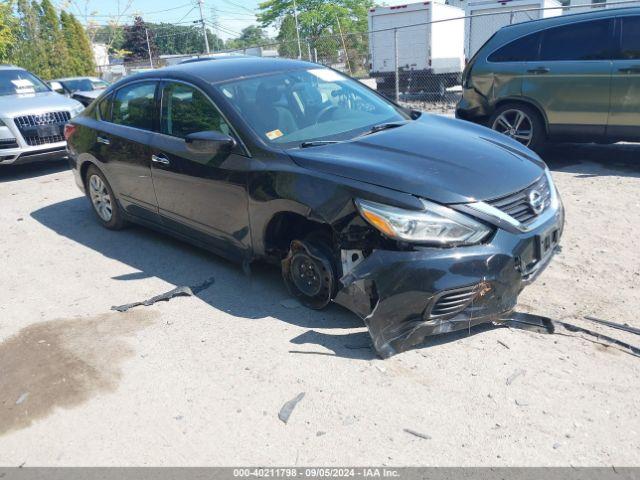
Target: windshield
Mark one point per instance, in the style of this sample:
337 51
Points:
14 82
84 84
291 108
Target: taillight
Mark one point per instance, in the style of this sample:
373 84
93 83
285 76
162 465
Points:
69 129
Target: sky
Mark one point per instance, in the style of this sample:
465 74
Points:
229 16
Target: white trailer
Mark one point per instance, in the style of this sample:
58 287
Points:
486 17
423 41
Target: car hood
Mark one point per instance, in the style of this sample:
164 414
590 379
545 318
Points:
25 104
434 157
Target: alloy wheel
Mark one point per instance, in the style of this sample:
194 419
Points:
100 198
515 124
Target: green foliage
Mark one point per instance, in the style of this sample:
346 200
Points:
334 30
7 30
81 60
182 39
40 41
250 36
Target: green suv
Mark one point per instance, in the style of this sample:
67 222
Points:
570 78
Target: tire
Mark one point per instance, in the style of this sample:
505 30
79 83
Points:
103 200
520 122
309 271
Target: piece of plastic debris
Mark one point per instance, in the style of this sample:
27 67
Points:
504 345
520 403
287 408
163 297
515 375
417 434
619 326
556 446
290 303
22 398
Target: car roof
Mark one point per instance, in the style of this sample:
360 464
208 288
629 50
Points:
543 23
229 68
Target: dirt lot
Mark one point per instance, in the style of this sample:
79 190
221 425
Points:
200 380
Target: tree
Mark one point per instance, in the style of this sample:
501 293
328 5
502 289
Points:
182 39
287 38
335 29
135 41
81 61
8 27
249 37
51 33
29 50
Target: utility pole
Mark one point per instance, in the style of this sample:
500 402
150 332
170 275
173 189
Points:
204 27
295 16
146 31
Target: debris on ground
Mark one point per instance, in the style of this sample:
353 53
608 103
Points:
504 345
520 403
619 326
417 434
287 408
515 375
540 324
183 291
22 398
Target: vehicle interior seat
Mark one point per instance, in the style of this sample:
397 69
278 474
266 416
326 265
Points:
271 110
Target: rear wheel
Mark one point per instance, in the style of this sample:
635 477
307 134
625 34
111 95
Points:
520 122
103 200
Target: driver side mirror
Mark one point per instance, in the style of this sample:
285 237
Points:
57 87
210 142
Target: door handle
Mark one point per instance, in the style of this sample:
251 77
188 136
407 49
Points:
160 159
103 140
538 71
629 70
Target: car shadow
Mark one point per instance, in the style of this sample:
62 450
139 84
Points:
11 173
256 296
259 295
593 160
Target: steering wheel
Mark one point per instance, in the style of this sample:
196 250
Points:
324 112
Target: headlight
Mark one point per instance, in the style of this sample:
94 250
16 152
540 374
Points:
436 224
77 110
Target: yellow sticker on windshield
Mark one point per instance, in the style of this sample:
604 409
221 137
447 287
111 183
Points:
273 134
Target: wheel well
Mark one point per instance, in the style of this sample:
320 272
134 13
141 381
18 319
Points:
526 103
287 226
83 171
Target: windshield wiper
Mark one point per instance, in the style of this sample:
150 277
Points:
317 143
383 126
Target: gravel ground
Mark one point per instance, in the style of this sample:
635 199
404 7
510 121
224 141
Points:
200 380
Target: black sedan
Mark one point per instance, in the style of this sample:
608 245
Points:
420 224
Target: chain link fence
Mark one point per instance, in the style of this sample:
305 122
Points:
418 64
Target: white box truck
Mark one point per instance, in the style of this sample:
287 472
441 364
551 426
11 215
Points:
486 17
428 38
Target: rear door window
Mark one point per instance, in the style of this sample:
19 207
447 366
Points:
524 49
630 39
186 110
134 105
579 41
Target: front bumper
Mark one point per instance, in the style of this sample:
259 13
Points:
405 296
15 151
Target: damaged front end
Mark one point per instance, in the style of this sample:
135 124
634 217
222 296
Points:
405 294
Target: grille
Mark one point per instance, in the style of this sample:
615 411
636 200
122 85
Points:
28 126
8 143
452 302
517 204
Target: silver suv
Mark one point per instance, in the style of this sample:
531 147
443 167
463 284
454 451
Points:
32 118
